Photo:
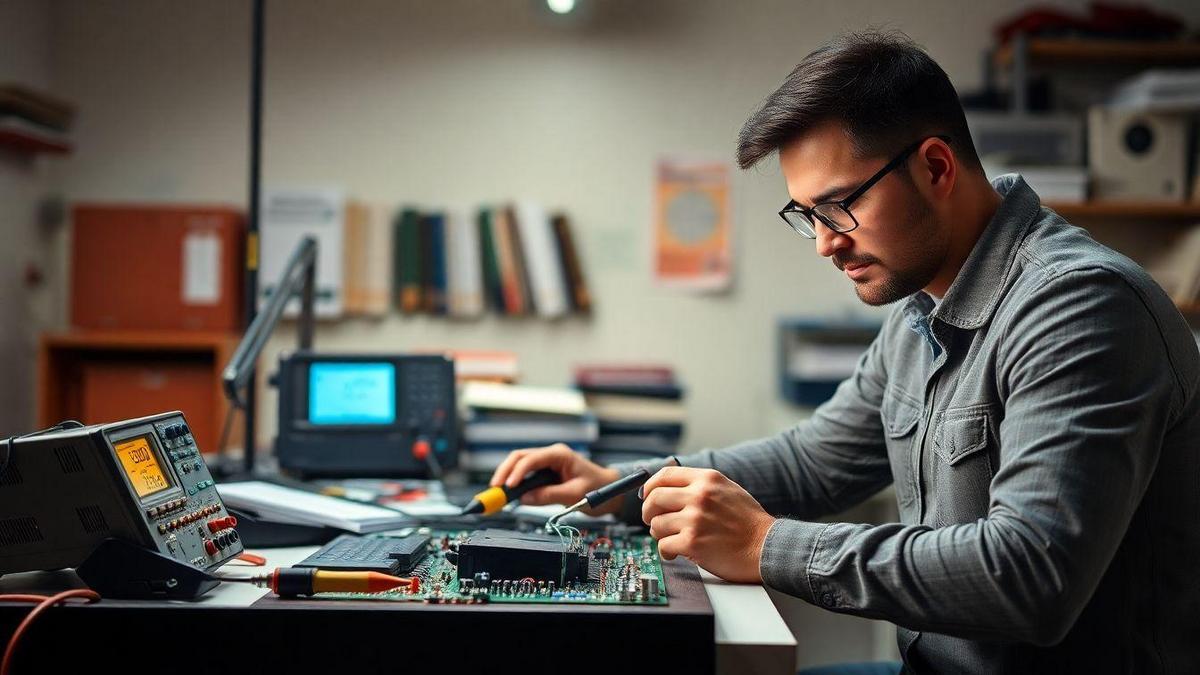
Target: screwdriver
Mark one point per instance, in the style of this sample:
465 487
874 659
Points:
293 581
618 487
493 499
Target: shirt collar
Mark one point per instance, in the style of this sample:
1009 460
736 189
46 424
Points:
972 297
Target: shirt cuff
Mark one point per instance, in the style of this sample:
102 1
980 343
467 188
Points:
787 553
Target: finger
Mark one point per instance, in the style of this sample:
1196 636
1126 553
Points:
505 467
679 544
563 493
672 476
667 524
532 460
664 500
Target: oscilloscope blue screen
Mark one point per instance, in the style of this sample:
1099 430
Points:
352 393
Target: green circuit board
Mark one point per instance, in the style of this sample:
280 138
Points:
621 568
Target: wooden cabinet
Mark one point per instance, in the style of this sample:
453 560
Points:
95 377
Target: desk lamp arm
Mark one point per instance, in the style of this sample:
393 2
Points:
298 278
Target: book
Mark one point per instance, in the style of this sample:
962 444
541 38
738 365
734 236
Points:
433 264
510 276
488 395
464 281
623 374
290 505
664 391
520 263
577 290
397 254
492 289
543 264
483 429
643 443
354 255
484 460
377 277
492 366
611 427
635 408
408 260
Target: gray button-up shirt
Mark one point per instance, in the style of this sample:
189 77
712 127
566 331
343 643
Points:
1041 427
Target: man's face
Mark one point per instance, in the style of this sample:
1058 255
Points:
898 246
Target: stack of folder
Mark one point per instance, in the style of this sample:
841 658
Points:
639 408
499 418
34 121
516 260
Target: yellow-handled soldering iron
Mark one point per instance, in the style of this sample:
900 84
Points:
493 499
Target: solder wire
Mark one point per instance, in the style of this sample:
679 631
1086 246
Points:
571 535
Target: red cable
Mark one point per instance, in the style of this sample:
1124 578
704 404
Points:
44 603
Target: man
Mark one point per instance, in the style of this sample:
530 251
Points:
1032 398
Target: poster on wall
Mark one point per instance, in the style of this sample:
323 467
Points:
692 229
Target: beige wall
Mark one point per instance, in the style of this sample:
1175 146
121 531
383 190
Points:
24 184
458 102
454 102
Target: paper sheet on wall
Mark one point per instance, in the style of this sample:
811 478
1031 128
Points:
692 229
201 281
287 216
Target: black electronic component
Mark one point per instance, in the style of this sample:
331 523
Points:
507 554
387 555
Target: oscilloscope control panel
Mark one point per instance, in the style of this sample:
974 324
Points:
175 492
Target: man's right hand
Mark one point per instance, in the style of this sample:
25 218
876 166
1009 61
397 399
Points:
579 476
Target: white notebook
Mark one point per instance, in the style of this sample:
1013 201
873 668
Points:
495 396
289 505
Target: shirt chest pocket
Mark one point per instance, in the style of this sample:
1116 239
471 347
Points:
900 415
962 467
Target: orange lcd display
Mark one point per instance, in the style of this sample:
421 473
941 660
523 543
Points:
141 465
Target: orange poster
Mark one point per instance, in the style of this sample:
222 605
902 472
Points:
692 230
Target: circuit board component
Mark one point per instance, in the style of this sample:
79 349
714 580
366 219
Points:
608 566
508 554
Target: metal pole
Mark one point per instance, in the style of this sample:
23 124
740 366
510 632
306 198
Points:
252 248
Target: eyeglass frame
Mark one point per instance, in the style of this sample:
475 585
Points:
844 204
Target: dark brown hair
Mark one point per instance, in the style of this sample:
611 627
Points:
880 86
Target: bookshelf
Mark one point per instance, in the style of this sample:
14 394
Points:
31 144
1096 51
1023 52
1184 212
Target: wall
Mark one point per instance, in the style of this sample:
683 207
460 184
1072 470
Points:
456 102
24 184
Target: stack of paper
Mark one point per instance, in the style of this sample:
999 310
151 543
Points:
500 418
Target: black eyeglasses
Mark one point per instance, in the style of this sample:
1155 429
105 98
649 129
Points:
836 214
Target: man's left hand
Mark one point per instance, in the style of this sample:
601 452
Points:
708 519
